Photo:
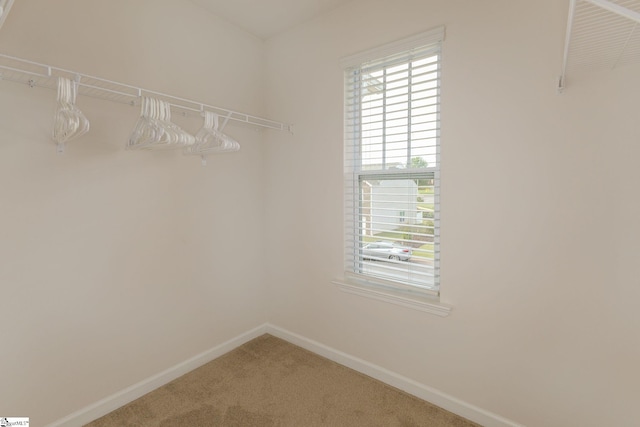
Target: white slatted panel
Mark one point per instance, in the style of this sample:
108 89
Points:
602 34
5 7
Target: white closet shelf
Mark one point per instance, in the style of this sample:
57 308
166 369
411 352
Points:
5 6
601 34
34 74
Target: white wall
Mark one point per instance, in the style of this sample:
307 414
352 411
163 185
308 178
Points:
116 265
539 213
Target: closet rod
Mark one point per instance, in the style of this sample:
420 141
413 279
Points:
37 74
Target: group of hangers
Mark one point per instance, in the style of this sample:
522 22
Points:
154 129
68 121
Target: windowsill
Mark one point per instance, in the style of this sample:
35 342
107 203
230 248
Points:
426 304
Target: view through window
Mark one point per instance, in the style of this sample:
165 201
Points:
392 140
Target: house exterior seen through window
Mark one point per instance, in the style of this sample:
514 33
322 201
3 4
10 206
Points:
392 165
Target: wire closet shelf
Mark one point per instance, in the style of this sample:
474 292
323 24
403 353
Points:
601 34
36 74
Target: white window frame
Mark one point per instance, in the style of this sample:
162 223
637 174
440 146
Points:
356 280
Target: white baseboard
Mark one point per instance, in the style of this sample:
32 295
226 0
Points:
115 401
443 400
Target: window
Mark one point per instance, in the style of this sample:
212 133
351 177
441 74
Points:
392 165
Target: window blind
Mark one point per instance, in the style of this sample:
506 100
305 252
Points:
392 168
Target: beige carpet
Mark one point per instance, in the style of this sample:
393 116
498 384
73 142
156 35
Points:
269 382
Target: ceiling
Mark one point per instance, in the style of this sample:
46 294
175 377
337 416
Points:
266 18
